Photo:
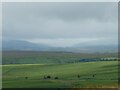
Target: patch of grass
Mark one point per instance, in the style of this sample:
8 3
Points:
105 75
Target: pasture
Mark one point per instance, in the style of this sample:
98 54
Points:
102 74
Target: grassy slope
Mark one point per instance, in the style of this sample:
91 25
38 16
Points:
47 57
105 75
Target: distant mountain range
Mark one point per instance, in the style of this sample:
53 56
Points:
20 45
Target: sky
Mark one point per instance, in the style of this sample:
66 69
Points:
61 24
0 21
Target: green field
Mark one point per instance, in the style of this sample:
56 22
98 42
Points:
91 74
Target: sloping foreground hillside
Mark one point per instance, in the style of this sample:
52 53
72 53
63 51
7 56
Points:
84 74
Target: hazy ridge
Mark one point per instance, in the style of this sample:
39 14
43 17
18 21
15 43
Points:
21 45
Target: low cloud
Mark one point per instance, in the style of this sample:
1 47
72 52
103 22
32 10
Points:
61 24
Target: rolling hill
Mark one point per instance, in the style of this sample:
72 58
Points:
21 45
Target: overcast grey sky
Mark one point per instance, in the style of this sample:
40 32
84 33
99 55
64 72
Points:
61 24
